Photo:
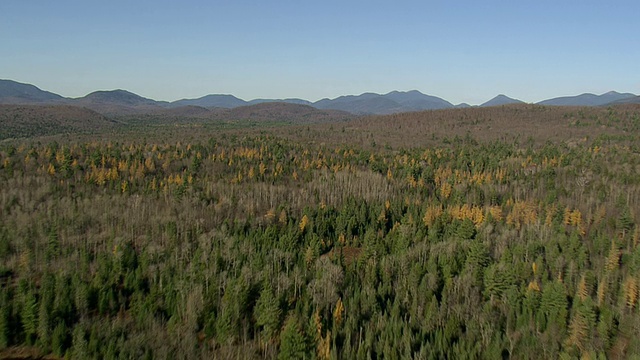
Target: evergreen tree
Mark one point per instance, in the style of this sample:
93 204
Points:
29 316
554 304
59 339
466 229
5 320
293 342
44 325
79 342
267 312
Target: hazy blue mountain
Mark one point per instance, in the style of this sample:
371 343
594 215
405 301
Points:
629 100
501 100
120 97
230 101
462 106
393 102
125 102
418 101
116 102
367 103
212 100
287 101
12 92
587 99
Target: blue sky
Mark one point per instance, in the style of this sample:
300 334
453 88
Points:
462 51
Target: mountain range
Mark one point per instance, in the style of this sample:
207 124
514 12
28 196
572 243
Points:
590 99
124 102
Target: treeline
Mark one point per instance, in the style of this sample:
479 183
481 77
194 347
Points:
256 247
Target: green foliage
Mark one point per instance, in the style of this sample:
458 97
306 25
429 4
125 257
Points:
466 230
5 320
44 325
293 342
53 246
475 249
267 313
29 316
498 279
554 304
59 339
5 244
625 221
80 346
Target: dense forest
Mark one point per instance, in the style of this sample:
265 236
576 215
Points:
262 243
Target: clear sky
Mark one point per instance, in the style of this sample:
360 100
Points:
462 51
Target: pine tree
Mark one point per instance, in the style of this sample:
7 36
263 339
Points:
631 291
602 292
466 229
79 342
582 321
584 288
625 221
59 339
613 260
81 296
293 343
323 344
63 301
267 313
338 312
29 316
304 222
44 329
5 327
554 304
53 245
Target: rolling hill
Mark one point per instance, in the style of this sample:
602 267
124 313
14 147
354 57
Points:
284 112
121 97
393 102
588 99
269 112
18 121
288 101
116 102
12 92
213 100
367 103
629 100
415 100
569 125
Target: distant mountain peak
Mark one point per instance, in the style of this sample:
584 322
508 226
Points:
392 102
213 100
501 99
462 106
118 96
112 93
588 99
408 92
121 101
15 92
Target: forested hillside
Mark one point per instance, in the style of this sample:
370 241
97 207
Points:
18 121
264 244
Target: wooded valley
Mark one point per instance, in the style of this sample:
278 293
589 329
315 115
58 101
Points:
507 232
